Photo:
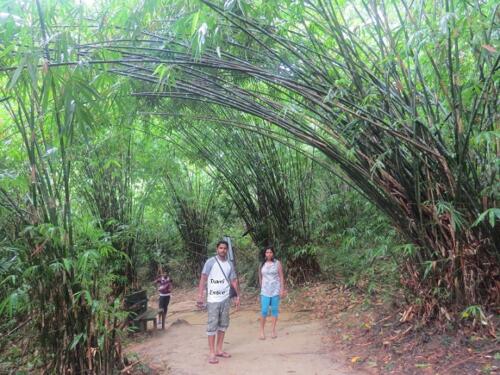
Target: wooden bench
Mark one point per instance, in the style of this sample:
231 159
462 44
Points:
136 304
142 320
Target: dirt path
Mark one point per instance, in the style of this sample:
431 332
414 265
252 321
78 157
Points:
182 349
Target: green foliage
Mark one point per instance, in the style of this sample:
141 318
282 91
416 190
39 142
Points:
244 117
80 283
493 214
191 198
476 314
357 244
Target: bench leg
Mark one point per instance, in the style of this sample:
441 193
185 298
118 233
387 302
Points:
155 324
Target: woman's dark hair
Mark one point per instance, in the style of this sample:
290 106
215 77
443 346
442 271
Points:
270 247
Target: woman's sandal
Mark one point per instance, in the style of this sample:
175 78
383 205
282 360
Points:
213 360
223 355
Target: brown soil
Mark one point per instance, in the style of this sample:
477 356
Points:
383 338
323 329
182 348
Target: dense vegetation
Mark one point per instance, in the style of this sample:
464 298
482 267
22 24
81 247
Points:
361 138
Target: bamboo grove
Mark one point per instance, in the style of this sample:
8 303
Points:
368 104
414 130
398 99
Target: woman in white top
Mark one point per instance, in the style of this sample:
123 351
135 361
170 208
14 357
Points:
272 284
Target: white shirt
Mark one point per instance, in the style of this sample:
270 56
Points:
217 285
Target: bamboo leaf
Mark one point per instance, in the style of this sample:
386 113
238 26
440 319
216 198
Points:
17 73
229 5
493 215
194 22
76 340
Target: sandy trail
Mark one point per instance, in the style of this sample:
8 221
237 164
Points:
182 348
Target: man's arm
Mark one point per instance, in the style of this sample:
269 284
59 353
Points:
236 285
202 287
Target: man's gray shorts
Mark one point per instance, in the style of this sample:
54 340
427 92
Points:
218 316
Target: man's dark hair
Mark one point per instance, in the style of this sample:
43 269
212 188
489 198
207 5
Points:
222 243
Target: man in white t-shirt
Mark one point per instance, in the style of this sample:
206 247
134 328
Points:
215 277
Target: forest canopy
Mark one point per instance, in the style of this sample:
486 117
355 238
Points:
359 137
